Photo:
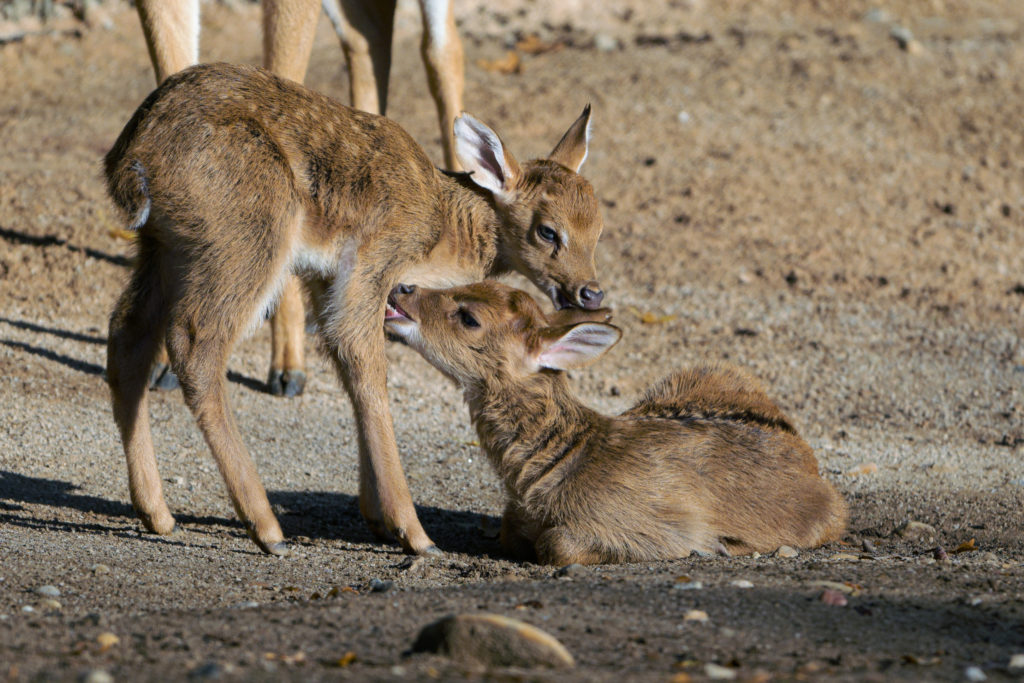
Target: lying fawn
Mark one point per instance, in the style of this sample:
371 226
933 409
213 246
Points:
704 462
365 28
236 179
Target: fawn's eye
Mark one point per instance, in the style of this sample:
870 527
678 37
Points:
547 234
467 318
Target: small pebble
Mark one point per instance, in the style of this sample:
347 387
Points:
48 591
940 554
107 640
684 117
868 547
846 556
50 604
1017 661
717 672
974 673
28 609
378 586
688 586
741 583
97 676
696 615
913 531
833 598
571 571
99 568
605 42
207 670
902 36
786 551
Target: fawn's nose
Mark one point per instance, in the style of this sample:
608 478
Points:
591 296
404 289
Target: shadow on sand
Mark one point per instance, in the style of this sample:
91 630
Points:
321 515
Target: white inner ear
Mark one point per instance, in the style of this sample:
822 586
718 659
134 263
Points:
480 152
577 347
586 144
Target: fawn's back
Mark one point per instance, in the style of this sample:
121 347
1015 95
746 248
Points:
209 130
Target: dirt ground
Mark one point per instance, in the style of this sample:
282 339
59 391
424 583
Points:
828 193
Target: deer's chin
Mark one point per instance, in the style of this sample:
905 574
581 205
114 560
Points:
398 323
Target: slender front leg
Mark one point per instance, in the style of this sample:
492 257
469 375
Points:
288 30
442 55
365 30
289 27
287 337
352 327
171 28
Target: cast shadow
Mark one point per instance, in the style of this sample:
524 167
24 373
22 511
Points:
320 515
92 368
15 237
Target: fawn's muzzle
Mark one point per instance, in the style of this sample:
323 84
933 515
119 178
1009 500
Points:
591 296
394 310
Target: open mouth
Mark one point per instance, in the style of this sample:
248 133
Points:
559 299
394 312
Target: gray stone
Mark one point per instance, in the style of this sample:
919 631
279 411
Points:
378 586
48 591
571 571
915 531
606 43
975 674
97 676
492 640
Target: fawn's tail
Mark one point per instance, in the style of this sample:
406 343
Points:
127 182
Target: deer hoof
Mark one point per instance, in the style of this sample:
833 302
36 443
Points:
279 549
161 525
162 378
287 383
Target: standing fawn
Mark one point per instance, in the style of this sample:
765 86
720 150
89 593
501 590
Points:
171 28
236 179
704 462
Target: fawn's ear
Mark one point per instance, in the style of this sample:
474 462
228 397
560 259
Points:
571 150
566 348
481 153
573 316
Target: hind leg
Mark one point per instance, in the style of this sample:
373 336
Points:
559 546
134 337
199 353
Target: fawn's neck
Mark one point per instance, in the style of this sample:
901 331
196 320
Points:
529 428
470 226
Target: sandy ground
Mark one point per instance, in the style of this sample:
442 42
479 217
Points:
783 186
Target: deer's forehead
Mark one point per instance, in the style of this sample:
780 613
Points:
501 304
573 202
